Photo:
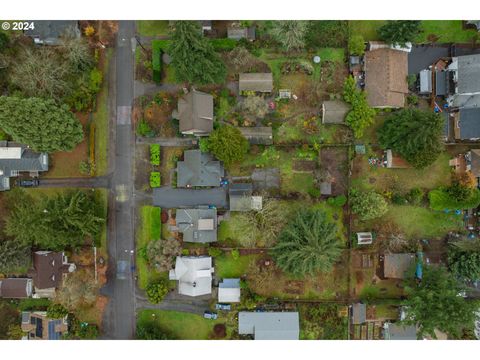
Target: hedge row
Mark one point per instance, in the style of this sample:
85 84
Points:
155 154
157 62
155 179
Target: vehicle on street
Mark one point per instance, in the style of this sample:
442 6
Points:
122 269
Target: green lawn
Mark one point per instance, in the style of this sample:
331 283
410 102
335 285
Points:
446 30
152 27
226 267
102 197
367 28
420 222
179 325
331 54
101 120
150 230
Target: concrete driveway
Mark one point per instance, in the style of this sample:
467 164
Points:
169 198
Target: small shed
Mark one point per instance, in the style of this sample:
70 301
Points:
258 135
425 81
364 238
334 112
326 188
238 32
360 149
229 291
359 313
258 82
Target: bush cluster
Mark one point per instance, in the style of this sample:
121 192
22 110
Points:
155 154
155 179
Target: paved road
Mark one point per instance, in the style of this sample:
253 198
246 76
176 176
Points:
169 198
119 321
95 182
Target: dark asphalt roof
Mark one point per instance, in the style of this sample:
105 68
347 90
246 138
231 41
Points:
199 169
359 313
197 225
421 57
469 74
169 198
48 269
470 123
441 83
50 31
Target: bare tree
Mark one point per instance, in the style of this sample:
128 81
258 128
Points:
290 33
78 289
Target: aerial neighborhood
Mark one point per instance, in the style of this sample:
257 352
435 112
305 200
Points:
240 180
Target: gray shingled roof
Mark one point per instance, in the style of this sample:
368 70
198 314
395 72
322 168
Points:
359 313
400 332
29 161
269 325
475 162
469 74
195 113
261 82
469 123
197 225
198 169
49 32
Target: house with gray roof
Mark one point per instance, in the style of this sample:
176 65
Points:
199 169
241 198
51 32
467 124
473 162
16 288
237 32
197 225
257 135
399 332
195 113
194 275
17 158
229 291
465 76
334 112
257 82
269 325
358 313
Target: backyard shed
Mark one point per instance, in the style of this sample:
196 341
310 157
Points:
229 291
396 266
359 313
257 82
239 32
269 325
425 81
334 112
364 238
400 332
258 135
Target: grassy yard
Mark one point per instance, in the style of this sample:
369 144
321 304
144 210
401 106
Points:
420 222
102 196
331 54
446 30
227 267
101 120
150 230
179 325
367 28
152 27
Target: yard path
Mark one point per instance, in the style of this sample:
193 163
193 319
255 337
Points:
174 302
172 142
86 182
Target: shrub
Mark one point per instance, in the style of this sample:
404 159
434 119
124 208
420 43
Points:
361 115
415 196
144 129
315 193
155 179
235 254
399 199
156 291
155 154
57 311
228 145
337 201
440 199
156 62
30 304
224 44
214 252
203 144
368 205
412 99
356 45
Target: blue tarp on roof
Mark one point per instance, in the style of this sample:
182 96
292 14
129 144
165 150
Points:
52 334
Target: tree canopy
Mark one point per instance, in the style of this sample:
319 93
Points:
356 44
361 115
290 33
193 57
13 255
367 205
464 259
399 32
435 303
227 144
55 223
78 289
40 124
308 244
414 134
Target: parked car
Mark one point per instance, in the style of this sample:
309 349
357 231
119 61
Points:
122 269
28 182
210 315
226 307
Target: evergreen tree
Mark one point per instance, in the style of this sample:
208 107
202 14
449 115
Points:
13 255
368 205
228 144
414 134
290 33
399 32
40 124
308 244
435 303
193 57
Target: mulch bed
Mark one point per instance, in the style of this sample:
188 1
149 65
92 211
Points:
335 161
304 165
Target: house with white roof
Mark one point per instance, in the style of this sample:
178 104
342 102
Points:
229 291
194 275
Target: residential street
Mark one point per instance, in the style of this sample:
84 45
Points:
119 319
